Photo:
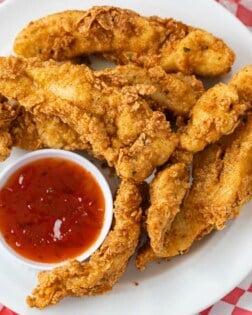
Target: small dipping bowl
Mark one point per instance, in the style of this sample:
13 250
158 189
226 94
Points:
87 166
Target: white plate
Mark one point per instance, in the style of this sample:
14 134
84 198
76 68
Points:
187 284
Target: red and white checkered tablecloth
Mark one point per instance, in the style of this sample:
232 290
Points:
239 300
241 8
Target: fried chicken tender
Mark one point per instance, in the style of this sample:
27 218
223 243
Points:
31 132
115 122
124 36
105 266
7 115
175 92
222 183
215 114
167 191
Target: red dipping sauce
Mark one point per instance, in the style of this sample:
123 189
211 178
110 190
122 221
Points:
51 210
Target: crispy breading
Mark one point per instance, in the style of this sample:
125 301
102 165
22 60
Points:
215 114
58 135
181 156
124 36
150 149
198 52
32 132
24 131
112 121
167 191
242 82
105 266
222 183
7 115
175 92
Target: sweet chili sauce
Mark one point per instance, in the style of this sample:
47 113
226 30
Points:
51 210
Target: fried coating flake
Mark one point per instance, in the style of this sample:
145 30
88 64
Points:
175 92
31 132
24 133
105 266
222 183
150 149
7 115
124 36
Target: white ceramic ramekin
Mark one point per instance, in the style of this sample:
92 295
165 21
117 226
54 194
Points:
87 165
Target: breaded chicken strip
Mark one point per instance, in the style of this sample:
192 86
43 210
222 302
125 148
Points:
7 115
167 191
222 183
175 92
31 132
105 266
124 36
112 121
215 114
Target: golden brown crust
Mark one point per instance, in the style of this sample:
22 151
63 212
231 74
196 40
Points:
175 92
32 132
167 191
150 149
242 81
199 52
216 113
24 132
7 115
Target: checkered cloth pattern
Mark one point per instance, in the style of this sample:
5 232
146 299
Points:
240 8
5 311
239 300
